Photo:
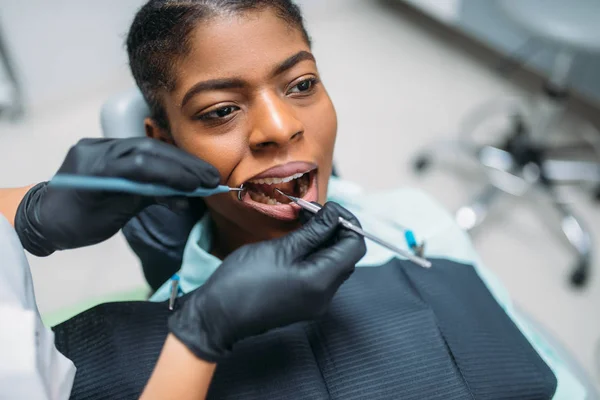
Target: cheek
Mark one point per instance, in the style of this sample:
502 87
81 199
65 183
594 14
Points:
321 131
322 127
223 151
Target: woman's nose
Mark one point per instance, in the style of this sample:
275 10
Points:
275 123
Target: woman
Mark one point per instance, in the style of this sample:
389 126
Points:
272 121
235 83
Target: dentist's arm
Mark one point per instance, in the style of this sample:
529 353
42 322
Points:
259 287
179 374
10 200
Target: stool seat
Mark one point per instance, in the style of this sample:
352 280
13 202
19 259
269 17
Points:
571 23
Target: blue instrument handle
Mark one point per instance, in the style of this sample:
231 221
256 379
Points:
410 239
122 185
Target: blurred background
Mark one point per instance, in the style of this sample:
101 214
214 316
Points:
436 94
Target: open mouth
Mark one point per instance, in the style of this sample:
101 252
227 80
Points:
297 179
263 190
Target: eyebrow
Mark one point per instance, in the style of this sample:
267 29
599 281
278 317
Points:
291 62
214 84
237 83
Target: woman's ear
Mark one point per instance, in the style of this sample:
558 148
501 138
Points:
154 131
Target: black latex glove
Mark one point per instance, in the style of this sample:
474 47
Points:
50 219
270 284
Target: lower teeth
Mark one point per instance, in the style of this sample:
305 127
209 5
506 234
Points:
263 198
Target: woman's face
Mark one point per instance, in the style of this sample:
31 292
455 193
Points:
249 100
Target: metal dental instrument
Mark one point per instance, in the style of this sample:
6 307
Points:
240 194
417 248
314 208
411 241
110 184
174 291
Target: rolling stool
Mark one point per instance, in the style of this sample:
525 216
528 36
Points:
523 159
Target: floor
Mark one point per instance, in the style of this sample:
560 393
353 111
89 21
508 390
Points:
397 87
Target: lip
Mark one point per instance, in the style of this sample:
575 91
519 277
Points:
285 170
291 211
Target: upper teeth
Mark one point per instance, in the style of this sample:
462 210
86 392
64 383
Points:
271 181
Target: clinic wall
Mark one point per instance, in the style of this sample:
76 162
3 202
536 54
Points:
64 47
61 48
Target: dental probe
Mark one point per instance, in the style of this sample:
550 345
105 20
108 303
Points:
409 236
111 184
314 208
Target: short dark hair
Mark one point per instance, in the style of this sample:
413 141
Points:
158 37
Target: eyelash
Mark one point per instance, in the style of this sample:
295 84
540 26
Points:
213 116
313 81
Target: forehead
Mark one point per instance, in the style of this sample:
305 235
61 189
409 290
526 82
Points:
245 46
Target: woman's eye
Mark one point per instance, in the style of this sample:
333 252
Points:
219 113
304 86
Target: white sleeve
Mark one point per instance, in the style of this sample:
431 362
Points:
30 365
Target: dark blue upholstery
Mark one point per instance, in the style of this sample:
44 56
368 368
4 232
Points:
393 332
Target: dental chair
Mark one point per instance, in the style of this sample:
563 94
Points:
524 159
122 117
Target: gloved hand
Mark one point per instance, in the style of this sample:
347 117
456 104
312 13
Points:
270 284
50 219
